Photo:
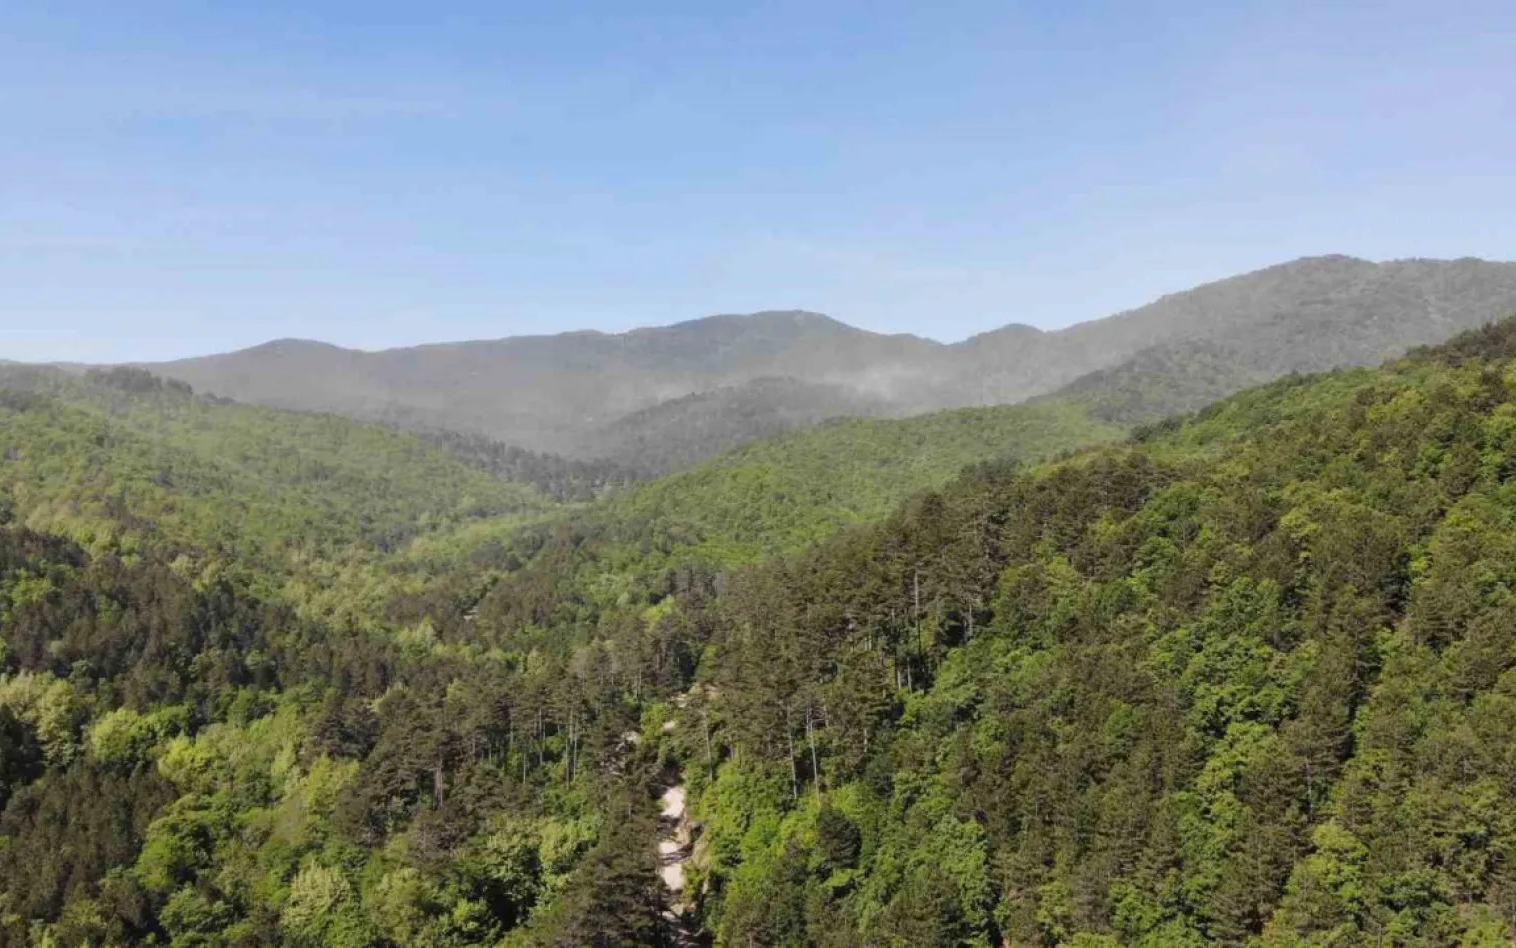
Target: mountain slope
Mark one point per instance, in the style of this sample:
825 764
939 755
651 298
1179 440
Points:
682 432
574 393
1248 681
567 573
783 493
1322 314
121 462
564 479
1163 381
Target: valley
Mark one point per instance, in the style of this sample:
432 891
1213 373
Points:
1076 670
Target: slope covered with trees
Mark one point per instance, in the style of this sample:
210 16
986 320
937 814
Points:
1162 382
188 763
226 716
1250 679
680 433
783 493
122 461
1328 313
561 478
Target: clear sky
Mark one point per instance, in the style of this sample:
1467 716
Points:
179 178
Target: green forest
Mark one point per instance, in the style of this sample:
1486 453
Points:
1007 676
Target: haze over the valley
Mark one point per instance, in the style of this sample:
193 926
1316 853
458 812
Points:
689 390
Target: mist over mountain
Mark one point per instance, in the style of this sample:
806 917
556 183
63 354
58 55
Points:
661 398
681 432
554 392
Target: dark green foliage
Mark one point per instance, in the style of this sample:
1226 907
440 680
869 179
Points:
561 478
838 841
207 728
682 432
1243 683
135 381
20 754
613 900
66 831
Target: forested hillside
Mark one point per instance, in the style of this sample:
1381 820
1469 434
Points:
784 493
680 433
1244 679
1331 312
124 462
228 713
1161 382
562 478
1250 679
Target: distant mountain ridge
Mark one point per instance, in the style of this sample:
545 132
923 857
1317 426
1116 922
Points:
1337 312
550 392
597 395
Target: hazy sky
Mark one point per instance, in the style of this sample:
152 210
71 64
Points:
178 178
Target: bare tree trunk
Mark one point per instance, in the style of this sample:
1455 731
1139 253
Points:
1310 792
789 736
916 609
710 761
810 736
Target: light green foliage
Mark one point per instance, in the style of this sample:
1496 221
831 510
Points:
779 495
315 499
53 708
124 737
561 843
512 855
322 909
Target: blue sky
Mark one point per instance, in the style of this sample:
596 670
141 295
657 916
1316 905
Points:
178 178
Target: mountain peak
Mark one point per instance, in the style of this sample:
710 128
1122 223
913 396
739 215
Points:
1008 332
764 319
291 345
